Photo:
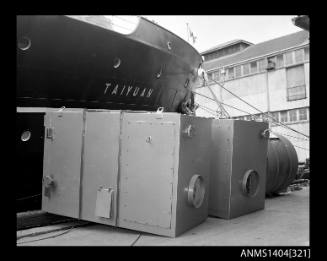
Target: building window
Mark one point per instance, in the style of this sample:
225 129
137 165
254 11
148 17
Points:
293 115
283 116
238 71
271 63
295 83
275 115
303 114
289 58
246 69
222 74
259 117
230 73
306 54
262 64
299 56
254 67
216 76
209 77
280 61
296 93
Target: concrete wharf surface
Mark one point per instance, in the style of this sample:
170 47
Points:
283 222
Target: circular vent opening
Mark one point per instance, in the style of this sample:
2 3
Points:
26 135
196 191
250 183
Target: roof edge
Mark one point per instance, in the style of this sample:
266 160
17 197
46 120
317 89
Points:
224 45
259 56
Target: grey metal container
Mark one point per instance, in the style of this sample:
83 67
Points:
141 171
238 168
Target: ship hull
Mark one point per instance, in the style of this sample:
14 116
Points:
72 63
29 156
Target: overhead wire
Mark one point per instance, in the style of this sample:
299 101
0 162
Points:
301 147
284 134
220 106
29 197
211 111
206 109
224 104
267 115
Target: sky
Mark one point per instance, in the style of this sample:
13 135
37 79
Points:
212 30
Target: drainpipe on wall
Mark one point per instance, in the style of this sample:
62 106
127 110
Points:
268 93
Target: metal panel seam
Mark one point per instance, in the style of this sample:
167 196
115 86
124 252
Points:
174 203
45 157
119 160
82 165
176 136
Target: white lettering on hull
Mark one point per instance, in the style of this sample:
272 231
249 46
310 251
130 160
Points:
143 92
129 89
115 90
122 90
149 93
107 86
135 91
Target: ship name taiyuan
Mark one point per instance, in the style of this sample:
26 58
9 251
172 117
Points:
126 90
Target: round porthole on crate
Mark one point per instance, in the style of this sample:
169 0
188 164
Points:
250 183
26 135
196 191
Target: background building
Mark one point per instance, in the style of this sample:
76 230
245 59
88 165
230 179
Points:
273 76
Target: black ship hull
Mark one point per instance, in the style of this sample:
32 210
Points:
29 157
68 62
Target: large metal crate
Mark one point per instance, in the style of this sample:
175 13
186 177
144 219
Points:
238 167
142 171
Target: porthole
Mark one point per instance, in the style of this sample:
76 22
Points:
159 73
26 135
24 43
117 63
196 191
169 45
250 183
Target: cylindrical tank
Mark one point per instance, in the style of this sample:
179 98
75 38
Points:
282 164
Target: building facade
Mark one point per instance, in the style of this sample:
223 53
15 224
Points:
273 76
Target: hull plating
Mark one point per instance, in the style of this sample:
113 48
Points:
66 62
